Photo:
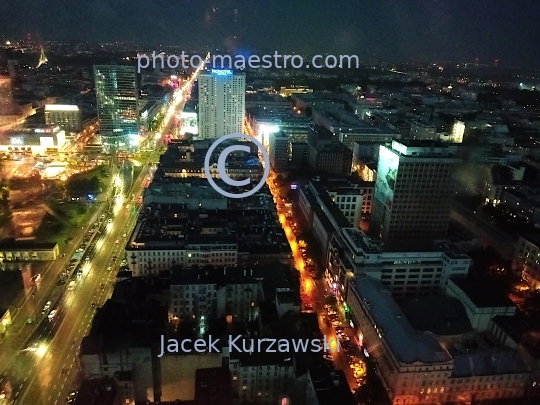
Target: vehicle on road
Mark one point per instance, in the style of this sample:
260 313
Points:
33 347
46 307
71 397
52 314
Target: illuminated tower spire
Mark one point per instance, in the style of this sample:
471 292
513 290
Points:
42 58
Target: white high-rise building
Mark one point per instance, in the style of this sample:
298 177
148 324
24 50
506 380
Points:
222 103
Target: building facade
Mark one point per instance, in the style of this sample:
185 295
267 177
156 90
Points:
215 293
326 154
222 103
353 254
413 191
278 150
117 105
152 256
264 378
417 369
67 117
33 141
27 251
527 259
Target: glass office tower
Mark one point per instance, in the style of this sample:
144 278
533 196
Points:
116 94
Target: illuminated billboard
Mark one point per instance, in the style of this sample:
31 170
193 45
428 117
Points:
17 140
386 176
189 123
222 72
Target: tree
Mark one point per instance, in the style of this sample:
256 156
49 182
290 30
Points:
81 185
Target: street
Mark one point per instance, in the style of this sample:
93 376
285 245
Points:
313 293
39 361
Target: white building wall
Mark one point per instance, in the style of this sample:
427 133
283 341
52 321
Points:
221 103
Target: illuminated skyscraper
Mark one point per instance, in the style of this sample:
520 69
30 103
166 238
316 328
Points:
116 94
413 191
222 102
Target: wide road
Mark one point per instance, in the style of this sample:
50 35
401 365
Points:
40 363
29 304
50 372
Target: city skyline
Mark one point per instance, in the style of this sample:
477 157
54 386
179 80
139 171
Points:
346 229
438 30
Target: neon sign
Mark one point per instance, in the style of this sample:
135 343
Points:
222 72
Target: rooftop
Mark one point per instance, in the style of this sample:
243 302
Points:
14 244
488 362
173 226
213 275
408 345
533 238
481 293
331 387
439 314
329 206
61 107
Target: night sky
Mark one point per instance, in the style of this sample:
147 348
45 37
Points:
433 30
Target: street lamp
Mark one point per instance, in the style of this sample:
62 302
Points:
34 305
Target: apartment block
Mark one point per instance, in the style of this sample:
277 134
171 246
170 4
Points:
527 259
210 293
